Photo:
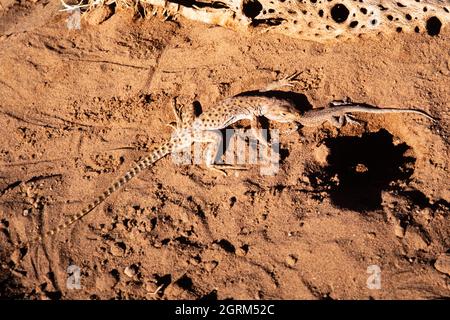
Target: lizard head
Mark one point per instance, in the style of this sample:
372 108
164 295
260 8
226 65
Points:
283 112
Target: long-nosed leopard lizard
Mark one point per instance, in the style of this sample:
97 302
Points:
190 129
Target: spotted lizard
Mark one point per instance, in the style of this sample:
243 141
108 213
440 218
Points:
204 128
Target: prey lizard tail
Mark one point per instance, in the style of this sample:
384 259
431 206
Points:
155 155
316 117
367 109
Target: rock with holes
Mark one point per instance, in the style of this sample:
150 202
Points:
318 20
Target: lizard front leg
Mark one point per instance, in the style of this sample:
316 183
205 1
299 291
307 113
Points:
258 133
262 136
213 140
183 116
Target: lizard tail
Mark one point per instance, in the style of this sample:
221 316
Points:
366 109
154 156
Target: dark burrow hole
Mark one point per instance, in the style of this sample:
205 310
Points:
232 201
115 274
251 8
186 242
185 282
23 252
433 26
339 13
54 295
212 296
153 223
10 286
364 166
146 97
226 245
163 281
284 153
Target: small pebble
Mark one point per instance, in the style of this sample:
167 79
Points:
291 260
131 271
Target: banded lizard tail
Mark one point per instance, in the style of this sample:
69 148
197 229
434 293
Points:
342 112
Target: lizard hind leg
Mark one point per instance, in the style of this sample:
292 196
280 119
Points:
341 120
213 140
350 119
337 121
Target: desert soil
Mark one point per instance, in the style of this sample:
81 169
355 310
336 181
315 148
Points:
79 107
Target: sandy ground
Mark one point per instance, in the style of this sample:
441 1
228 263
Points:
79 107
